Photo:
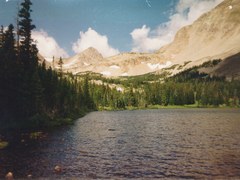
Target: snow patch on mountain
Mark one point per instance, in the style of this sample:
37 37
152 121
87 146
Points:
106 73
86 64
124 74
159 66
114 67
69 64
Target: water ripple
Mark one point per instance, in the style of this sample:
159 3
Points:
174 144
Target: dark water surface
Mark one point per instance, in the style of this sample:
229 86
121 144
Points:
167 143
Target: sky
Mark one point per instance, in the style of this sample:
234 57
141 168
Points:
68 27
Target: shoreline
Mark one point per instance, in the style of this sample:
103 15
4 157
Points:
149 107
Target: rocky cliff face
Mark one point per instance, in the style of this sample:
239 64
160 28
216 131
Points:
215 35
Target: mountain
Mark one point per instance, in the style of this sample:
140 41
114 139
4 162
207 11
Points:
41 59
125 64
130 64
230 68
215 35
83 61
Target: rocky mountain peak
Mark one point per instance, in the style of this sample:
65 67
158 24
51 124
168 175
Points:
83 60
91 52
215 35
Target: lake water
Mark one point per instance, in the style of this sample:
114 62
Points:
166 143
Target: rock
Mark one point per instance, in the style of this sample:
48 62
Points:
58 169
36 135
9 176
3 144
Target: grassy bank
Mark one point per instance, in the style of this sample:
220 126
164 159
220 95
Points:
162 107
41 122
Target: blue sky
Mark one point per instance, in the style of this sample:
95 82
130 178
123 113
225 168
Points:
112 26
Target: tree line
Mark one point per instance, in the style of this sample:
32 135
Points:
32 95
186 88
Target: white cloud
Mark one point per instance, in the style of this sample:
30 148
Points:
91 38
186 12
47 45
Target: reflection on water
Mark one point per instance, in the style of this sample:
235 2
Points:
180 143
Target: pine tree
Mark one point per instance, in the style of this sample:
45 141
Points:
53 62
29 92
60 64
8 45
86 94
164 97
28 51
7 73
28 88
2 34
132 98
1 37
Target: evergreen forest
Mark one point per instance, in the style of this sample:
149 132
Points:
32 95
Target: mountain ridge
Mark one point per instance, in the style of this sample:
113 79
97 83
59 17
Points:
214 35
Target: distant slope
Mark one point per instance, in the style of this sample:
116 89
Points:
41 59
131 64
215 35
125 64
229 68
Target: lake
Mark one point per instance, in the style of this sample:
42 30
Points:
165 143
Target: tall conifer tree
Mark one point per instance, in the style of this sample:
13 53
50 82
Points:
28 51
7 72
29 87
